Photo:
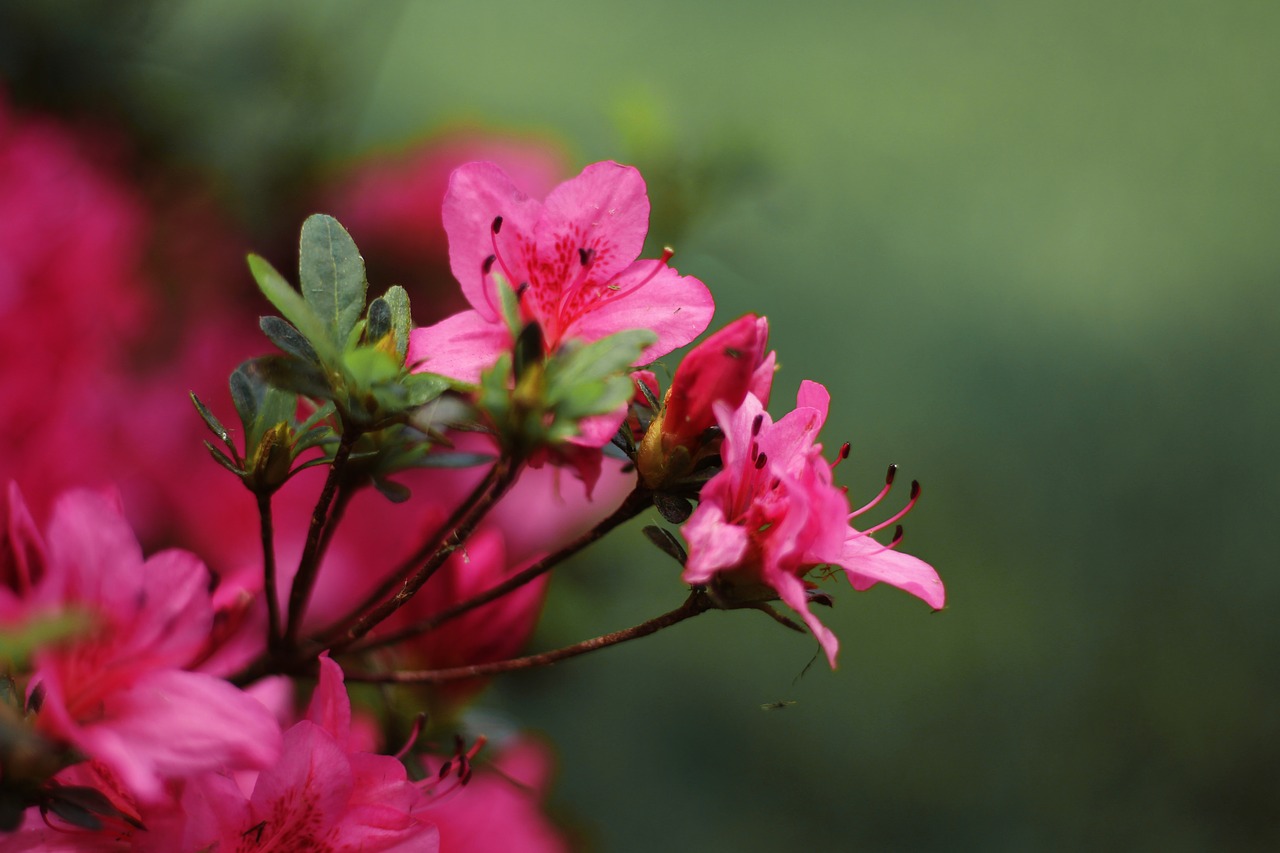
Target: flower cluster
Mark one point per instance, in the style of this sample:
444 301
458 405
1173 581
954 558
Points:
392 503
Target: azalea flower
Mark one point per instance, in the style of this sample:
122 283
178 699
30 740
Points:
119 690
323 794
772 516
723 368
572 261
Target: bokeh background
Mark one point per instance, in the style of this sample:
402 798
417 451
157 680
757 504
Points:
1032 248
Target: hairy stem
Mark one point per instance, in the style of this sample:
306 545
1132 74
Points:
697 603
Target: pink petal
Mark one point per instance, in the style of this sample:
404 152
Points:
792 592
94 556
330 707
478 193
867 563
677 308
22 552
460 347
174 724
173 613
605 210
713 543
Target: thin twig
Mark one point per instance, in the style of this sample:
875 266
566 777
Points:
698 602
309 564
269 571
505 474
635 503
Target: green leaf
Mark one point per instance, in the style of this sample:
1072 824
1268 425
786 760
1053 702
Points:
332 275
369 366
291 374
278 407
395 492
454 460
666 542
424 387
211 421
17 642
294 308
379 323
401 319
508 304
248 389
287 338
598 360
221 459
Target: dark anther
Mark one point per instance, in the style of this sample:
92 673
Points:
893 472
497 224
524 285
844 451
897 535
488 264
445 768
585 255
761 461
915 489
757 424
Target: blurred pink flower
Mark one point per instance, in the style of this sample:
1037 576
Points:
118 690
772 515
72 303
500 809
572 260
323 794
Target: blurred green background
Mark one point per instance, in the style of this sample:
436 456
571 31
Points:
1033 250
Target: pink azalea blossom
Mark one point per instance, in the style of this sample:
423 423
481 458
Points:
323 794
772 515
723 368
119 691
500 810
572 260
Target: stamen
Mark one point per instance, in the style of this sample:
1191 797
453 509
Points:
762 460
888 484
524 285
915 496
586 256
659 265
841 456
419 721
757 424
487 266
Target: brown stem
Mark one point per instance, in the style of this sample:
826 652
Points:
698 602
309 564
335 632
269 571
635 503
474 510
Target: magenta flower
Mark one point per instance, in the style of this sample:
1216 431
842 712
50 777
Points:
571 259
323 794
723 368
119 691
772 516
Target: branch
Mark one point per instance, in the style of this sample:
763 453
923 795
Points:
697 603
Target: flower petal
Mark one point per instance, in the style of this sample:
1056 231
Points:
478 193
867 563
460 347
677 308
714 544
604 210
792 592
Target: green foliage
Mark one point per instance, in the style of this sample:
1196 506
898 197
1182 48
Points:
534 402
332 275
17 642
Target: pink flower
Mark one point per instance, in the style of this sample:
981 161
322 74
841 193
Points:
119 691
772 515
323 794
723 368
499 810
572 260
